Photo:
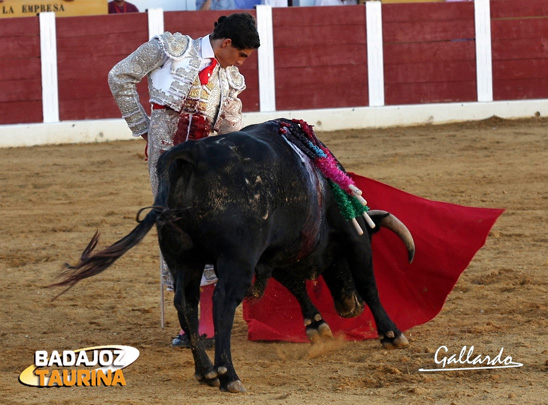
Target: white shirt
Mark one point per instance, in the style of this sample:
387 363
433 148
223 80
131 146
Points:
206 52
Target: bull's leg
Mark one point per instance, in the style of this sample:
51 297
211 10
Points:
360 262
187 296
316 327
338 279
262 274
235 278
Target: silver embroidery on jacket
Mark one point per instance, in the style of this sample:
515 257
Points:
171 62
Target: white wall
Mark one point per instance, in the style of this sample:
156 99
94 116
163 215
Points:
90 131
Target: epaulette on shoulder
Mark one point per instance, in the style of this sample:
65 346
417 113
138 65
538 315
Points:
235 78
174 45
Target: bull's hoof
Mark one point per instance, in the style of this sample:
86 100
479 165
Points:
210 379
390 342
349 306
325 331
235 386
318 333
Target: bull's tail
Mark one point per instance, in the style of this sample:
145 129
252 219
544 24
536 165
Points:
91 264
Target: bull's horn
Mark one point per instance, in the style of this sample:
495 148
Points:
386 220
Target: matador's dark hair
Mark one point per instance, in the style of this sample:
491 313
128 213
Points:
240 28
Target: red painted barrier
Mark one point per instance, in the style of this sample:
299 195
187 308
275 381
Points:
429 53
519 34
320 57
20 71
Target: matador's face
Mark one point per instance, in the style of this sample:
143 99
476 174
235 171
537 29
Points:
228 55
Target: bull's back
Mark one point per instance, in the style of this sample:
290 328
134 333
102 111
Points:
247 188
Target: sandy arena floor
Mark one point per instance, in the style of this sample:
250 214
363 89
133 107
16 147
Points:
53 198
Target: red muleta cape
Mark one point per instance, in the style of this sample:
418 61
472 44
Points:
447 236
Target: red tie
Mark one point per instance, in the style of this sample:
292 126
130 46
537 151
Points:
205 74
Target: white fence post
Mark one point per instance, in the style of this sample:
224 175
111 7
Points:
156 27
48 58
267 81
375 56
155 22
484 63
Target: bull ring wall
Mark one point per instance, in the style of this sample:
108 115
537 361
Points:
477 88
90 131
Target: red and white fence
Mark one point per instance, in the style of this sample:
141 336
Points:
336 67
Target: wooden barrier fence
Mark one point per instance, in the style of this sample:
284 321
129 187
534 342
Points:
428 54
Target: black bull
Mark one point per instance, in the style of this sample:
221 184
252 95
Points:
252 206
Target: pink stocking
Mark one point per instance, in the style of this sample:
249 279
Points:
206 311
